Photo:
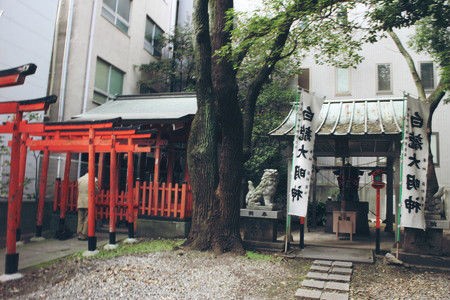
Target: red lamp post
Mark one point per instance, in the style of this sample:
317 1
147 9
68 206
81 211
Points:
378 184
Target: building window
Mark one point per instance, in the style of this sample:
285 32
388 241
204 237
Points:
108 81
153 36
434 146
303 79
427 75
384 78
342 81
117 12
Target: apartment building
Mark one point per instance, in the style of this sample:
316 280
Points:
99 47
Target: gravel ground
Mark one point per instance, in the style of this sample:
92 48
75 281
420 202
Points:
381 281
163 275
201 275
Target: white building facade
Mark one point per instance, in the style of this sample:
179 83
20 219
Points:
100 46
383 73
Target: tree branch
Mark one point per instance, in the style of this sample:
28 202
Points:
411 66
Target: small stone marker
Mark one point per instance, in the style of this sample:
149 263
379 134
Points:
334 296
338 277
308 294
338 270
320 268
311 283
316 275
337 286
323 262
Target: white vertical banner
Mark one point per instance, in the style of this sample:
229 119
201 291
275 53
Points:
415 164
307 121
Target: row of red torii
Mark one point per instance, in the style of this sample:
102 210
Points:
89 137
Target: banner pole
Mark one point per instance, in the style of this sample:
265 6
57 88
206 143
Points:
288 217
399 206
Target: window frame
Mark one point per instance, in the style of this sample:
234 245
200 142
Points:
149 46
433 75
304 77
434 145
116 15
384 92
336 83
108 82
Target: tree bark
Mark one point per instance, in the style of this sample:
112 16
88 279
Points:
215 143
202 143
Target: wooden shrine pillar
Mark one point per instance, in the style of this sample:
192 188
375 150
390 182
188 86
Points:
20 183
389 194
130 190
42 191
157 161
170 164
113 189
12 258
92 239
156 171
64 196
101 160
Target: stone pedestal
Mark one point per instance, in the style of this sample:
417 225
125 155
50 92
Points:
260 225
428 242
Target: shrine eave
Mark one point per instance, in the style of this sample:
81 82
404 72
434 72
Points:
163 108
352 117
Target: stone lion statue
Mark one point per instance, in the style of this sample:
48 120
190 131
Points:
261 197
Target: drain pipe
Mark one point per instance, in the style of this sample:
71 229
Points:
87 75
65 62
54 50
89 56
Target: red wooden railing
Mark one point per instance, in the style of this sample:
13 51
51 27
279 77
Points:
165 200
173 201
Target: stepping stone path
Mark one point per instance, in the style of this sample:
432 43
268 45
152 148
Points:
326 280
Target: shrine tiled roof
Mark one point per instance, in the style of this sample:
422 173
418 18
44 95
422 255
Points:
352 117
160 107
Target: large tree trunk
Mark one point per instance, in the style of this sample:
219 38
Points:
227 235
215 142
202 144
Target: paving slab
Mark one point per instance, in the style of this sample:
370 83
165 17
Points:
311 283
334 296
344 264
35 253
318 268
339 270
337 286
323 262
323 253
317 275
338 277
308 294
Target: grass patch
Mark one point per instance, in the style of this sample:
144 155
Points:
148 246
259 256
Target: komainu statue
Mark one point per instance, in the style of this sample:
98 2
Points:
442 202
261 197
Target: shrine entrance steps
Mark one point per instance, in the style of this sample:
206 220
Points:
326 279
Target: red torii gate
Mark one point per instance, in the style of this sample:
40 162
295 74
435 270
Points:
83 137
19 129
60 137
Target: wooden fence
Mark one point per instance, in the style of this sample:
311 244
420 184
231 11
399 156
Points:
172 201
